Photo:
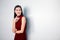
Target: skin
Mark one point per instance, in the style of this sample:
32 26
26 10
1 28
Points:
18 12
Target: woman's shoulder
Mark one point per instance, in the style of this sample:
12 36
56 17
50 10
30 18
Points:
23 18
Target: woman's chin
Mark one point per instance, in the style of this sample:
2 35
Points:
18 15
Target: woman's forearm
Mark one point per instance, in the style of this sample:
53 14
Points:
19 31
13 27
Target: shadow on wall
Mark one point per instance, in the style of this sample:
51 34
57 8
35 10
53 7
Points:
26 14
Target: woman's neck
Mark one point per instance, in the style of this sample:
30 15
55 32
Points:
19 16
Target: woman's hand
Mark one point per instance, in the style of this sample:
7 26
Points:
15 30
16 19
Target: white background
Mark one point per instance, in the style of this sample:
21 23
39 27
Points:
43 19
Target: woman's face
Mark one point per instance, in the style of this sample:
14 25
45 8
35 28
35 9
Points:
18 11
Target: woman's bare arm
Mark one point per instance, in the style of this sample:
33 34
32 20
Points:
22 26
13 26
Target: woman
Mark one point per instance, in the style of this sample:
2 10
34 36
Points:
19 24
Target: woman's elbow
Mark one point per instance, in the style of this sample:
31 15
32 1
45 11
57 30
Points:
13 31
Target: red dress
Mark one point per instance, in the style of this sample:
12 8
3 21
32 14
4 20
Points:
20 36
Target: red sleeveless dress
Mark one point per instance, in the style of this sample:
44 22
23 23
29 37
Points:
20 36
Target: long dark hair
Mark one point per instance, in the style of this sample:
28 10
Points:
21 10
